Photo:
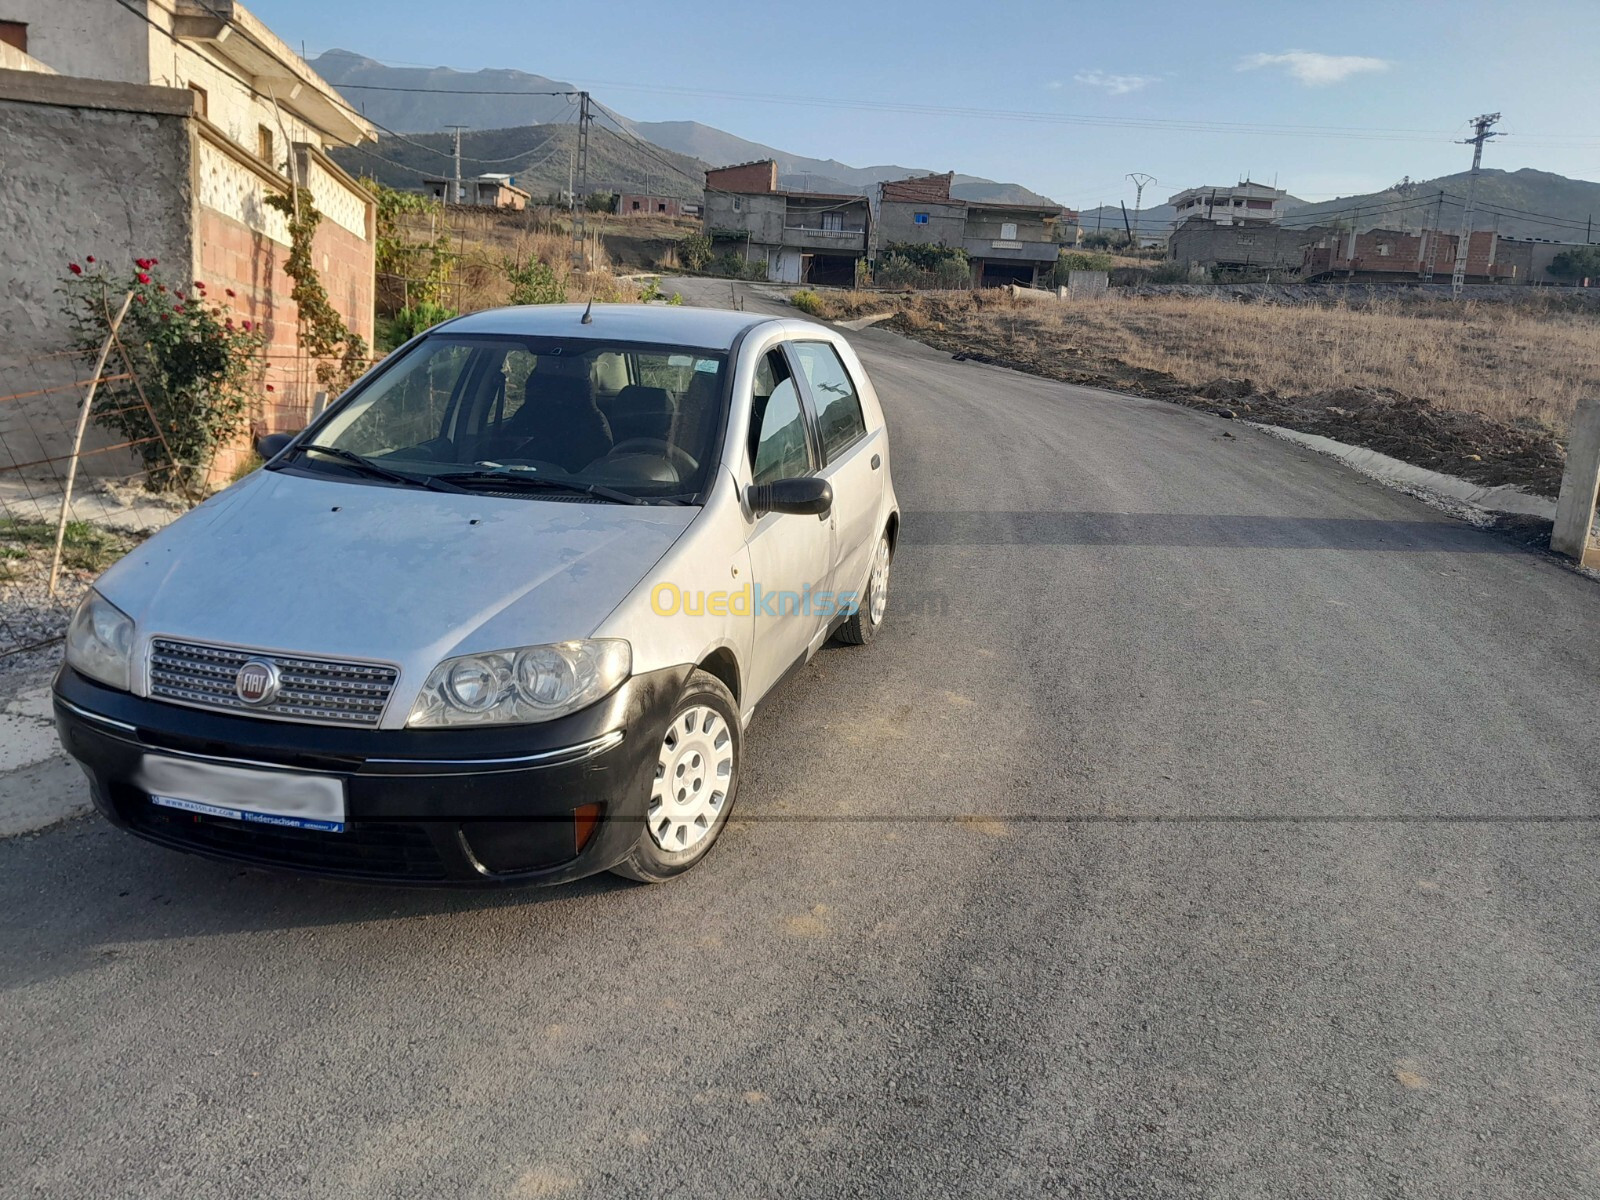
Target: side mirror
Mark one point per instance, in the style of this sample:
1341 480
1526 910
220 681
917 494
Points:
270 445
807 496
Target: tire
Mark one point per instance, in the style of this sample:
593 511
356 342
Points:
699 759
865 622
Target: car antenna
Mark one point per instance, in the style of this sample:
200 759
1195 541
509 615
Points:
587 318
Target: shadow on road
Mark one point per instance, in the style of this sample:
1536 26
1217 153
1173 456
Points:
70 893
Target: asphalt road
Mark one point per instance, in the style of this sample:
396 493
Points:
1206 822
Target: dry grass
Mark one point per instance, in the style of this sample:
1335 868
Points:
1509 361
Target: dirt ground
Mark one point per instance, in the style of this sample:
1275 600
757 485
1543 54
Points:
1525 451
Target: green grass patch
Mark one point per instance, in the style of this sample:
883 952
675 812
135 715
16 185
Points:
84 547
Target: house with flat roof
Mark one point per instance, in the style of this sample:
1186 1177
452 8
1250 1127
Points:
1245 203
1005 243
159 129
799 237
479 191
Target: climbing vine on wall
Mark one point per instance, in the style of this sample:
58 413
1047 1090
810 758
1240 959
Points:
341 354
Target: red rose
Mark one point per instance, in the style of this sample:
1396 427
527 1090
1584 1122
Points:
90 259
162 288
143 278
177 308
270 388
230 293
75 268
166 316
199 283
155 262
247 326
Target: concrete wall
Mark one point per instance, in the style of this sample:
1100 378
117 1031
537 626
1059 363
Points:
1268 247
93 38
761 217
946 223
111 176
986 224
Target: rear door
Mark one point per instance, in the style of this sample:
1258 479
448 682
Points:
852 459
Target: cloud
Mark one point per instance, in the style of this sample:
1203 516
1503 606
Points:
1055 85
1116 85
1313 69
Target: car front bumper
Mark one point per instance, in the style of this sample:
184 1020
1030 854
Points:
475 806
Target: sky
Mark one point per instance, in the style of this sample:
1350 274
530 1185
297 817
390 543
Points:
1066 98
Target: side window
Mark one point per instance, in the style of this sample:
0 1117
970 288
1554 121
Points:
778 445
839 418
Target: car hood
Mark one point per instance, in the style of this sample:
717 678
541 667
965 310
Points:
294 564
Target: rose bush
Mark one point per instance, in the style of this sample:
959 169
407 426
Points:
190 365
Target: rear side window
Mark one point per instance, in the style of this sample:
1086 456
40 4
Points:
839 419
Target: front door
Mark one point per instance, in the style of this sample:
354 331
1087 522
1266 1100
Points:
790 556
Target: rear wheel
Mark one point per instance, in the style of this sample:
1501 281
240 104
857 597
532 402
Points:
696 780
863 626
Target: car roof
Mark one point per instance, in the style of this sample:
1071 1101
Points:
671 325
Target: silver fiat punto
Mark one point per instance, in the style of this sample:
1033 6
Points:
501 614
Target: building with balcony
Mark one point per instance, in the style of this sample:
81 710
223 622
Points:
1245 203
1006 243
799 237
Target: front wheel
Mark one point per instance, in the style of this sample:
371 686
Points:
863 625
695 783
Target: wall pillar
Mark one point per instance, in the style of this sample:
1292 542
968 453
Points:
1580 482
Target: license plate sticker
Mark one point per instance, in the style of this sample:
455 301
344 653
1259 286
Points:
280 798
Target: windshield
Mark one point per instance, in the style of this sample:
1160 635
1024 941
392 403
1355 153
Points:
631 417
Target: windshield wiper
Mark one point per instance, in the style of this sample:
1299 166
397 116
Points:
377 470
525 477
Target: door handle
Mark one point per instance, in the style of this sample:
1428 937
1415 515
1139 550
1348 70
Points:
877 461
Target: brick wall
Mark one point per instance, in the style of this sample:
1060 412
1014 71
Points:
745 177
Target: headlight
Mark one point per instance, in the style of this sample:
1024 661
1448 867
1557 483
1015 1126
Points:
512 687
100 641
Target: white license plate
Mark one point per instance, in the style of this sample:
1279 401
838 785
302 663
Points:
240 794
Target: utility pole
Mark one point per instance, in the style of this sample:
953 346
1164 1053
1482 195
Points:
455 194
581 182
1480 135
1139 180
1430 239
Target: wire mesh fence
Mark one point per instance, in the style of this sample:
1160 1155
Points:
73 494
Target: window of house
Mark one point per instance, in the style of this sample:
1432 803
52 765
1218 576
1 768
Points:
661 208
839 420
15 34
202 101
834 221
264 143
1384 249
738 204
1008 232
637 206
920 218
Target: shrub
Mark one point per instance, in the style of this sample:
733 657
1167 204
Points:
694 251
534 282
1170 272
809 303
194 368
412 320
734 265
929 256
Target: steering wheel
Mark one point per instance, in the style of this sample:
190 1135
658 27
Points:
684 463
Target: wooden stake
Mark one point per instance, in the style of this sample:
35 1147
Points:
77 439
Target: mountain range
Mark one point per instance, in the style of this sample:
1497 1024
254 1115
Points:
411 100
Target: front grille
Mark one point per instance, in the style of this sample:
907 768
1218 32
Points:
365 850
311 689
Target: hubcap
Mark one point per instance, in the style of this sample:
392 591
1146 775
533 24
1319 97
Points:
694 773
880 582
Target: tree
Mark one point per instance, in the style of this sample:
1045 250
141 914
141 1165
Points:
1582 262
